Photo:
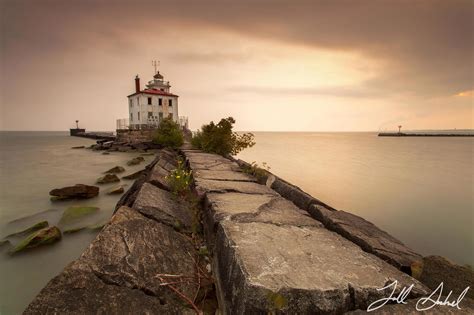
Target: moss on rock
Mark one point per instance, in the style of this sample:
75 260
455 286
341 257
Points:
42 237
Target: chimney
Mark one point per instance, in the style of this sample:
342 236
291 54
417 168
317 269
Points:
137 84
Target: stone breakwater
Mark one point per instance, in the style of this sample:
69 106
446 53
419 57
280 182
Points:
273 249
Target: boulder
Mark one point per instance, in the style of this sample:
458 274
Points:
432 270
75 213
134 175
157 177
115 170
162 206
367 235
31 229
79 147
123 272
78 191
136 161
105 153
116 190
108 178
42 237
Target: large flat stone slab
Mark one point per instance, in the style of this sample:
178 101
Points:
76 291
367 235
162 206
257 208
204 186
131 254
264 267
224 175
207 161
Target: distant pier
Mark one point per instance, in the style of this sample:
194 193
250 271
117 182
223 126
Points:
79 132
402 134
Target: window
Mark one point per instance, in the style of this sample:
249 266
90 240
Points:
130 101
149 101
131 116
160 116
170 116
170 103
150 114
139 116
160 101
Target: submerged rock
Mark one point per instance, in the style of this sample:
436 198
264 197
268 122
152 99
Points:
4 243
116 190
136 161
115 170
134 175
108 178
105 153
31 229
78 191
79 147
72 214
42 237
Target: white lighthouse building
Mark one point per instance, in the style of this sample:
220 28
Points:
148 107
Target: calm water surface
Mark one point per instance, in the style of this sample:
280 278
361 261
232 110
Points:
420 190
31 164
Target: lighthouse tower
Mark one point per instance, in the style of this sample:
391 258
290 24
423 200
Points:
148 107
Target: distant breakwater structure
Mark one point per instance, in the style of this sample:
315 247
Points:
247 242
403 134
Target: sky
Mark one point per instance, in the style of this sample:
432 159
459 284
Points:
273 65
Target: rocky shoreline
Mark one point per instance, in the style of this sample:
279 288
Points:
266 247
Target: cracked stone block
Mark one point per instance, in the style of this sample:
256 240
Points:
224 175
76 291
162 206
204 186
368 236
257 208
264 267
157 177
124 265
207 161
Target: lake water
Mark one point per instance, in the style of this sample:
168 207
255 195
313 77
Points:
31 164
418 189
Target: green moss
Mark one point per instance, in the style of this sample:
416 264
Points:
42 237
74 213
31 229
74 230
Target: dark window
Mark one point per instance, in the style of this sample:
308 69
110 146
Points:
131 102
160 101
160 116
131 116
138 101
170 116
149 101
170 102
138 115
150 114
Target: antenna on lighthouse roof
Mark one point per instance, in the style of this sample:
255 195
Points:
155 64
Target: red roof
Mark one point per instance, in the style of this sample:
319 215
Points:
154 92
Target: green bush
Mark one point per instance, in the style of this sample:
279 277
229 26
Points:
180 179
168 134
220 139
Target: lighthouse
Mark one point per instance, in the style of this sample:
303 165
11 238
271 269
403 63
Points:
149 106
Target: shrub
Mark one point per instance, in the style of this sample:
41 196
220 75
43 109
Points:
168 134
220 139
180 179
257 171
